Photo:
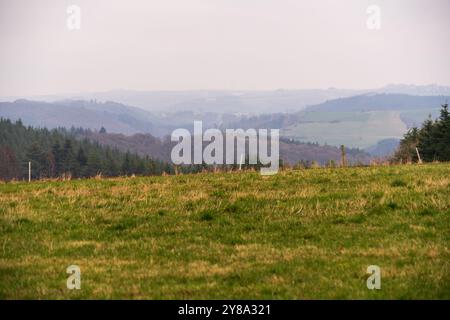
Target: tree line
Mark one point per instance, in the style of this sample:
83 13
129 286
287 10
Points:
432 140
55 153
64 152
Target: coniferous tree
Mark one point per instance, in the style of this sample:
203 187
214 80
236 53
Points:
69 160
94 165
426 142
432 140
126 165
38 160
9 167
51 164
58 158
56 152
443 134
82 162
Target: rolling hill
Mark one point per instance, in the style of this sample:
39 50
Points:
380 102
291 152
251 102
365 120
87 114
357 122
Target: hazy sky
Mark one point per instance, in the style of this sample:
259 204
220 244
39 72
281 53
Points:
220 44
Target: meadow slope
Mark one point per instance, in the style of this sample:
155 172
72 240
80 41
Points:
296 235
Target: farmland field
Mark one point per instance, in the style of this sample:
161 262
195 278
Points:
352 129
300 234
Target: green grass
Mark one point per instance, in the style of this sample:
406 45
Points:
296 235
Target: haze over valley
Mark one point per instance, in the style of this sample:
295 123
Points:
370 120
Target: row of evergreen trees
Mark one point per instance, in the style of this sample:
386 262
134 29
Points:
432 140
53 153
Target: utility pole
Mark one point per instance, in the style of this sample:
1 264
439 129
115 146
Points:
29 171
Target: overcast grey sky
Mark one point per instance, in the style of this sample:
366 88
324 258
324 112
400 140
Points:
220 44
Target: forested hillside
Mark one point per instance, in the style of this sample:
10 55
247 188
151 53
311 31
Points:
291 152
54 153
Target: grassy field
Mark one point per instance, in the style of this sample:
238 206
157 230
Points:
352 129
296 235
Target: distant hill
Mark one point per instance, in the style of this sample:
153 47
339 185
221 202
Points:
379 102
88 114
216 101
115 117
415 90
251 102
383 148
140 143
359 121
291 152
